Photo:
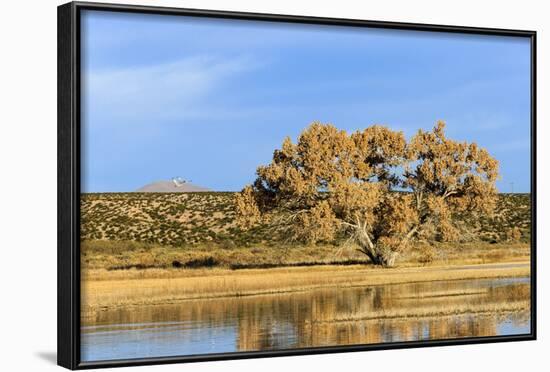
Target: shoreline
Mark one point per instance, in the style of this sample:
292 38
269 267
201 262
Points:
127 293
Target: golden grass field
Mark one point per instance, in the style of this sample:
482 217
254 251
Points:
134 289
121 256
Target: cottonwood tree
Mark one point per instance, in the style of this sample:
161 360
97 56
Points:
371 186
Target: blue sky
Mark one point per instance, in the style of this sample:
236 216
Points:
209 100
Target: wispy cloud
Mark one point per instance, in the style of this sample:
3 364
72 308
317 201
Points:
162 91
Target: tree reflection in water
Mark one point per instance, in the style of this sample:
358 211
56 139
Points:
403 312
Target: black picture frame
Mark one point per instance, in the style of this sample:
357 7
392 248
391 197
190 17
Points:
69 137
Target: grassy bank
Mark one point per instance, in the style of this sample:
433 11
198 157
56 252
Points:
104 290
121 255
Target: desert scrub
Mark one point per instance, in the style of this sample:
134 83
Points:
513 234
201 217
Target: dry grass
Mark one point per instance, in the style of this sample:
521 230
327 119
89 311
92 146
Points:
115 255
123 290
120 255
492 309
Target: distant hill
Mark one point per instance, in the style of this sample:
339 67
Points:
170 186
181 218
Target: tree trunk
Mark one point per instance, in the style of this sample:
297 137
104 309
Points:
377 255
385 259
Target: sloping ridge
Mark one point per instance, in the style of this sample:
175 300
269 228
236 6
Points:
169 186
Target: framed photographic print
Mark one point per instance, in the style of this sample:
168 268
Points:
237 185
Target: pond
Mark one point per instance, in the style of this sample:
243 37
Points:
327 317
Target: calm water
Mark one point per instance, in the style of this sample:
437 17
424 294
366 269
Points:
305 319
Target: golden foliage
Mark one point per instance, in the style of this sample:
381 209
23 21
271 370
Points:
373 185
246 207
317 225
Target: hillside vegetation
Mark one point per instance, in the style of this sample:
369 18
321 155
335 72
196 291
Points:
190 218
189 230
